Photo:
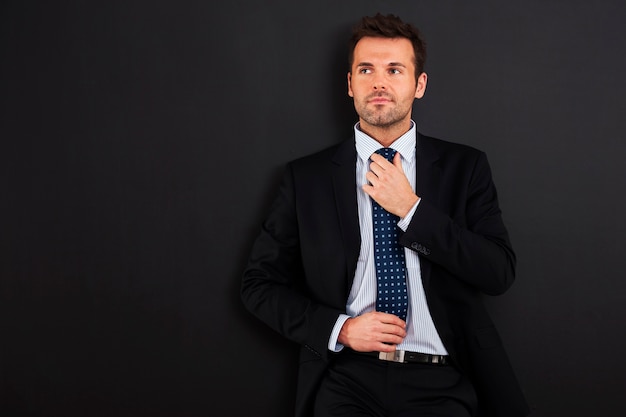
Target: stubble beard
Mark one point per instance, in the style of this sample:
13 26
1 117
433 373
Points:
382 118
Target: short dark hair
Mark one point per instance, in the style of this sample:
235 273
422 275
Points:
389 26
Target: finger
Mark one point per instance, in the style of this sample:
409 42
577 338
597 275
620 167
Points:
372 178
391 319
392 339
380 160
385 347
376 168
394 330
397 160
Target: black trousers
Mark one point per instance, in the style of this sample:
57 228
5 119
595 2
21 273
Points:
357 385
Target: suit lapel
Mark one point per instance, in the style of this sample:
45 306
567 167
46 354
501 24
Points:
428 180
428 169
344 187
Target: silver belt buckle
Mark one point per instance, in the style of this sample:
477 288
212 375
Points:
395 356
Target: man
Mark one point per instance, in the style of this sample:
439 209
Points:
313 274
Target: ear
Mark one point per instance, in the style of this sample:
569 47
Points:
421 85
350 84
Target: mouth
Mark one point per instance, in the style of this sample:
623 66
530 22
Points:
378 99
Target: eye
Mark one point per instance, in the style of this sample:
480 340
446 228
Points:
365 71
394 71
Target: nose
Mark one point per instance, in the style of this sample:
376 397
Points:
379 86
379 82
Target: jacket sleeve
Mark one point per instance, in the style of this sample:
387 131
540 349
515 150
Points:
274 281
472 244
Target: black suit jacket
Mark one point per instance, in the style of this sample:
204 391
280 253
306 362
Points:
302 264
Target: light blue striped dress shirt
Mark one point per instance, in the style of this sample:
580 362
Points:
421 333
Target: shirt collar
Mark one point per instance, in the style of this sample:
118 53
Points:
405 144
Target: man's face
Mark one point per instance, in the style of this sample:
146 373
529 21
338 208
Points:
382 82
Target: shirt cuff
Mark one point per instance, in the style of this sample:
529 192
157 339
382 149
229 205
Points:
333 345
404 222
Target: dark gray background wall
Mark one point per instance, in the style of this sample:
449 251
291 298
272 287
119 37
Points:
141 142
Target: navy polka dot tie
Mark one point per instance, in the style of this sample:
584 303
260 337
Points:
389 258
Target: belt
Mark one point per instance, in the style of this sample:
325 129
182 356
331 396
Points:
405 356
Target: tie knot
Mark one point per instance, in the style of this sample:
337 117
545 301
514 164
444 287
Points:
388 153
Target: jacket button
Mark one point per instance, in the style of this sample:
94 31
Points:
421 249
